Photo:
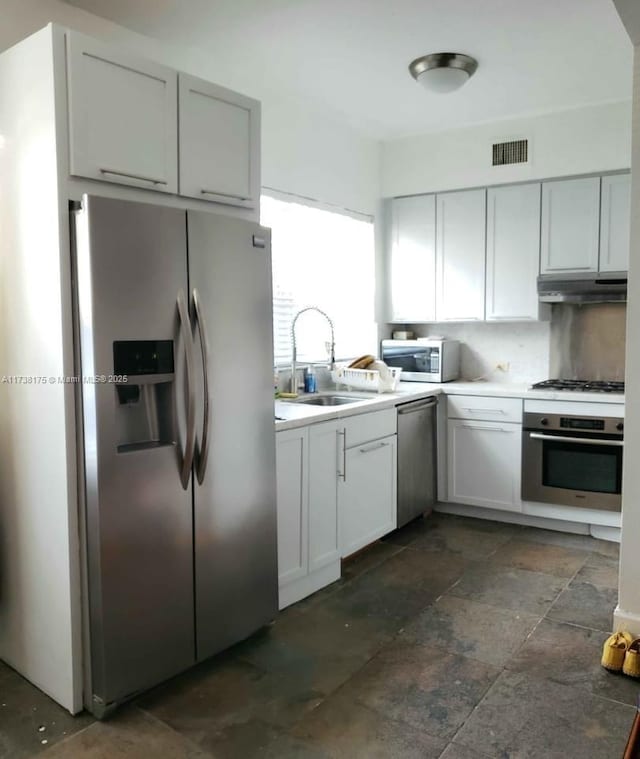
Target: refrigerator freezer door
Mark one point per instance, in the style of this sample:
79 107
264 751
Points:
235 505
131 264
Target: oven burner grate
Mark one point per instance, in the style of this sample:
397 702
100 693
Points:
584 386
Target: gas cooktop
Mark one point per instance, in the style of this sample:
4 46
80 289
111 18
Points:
584 386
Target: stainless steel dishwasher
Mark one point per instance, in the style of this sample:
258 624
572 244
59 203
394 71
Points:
416 458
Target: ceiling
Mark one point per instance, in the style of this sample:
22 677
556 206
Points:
629 11
350 57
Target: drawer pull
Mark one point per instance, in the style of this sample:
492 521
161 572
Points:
223 194
489 429
376 447
138 177
485 410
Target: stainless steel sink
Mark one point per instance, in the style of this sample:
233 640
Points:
330 400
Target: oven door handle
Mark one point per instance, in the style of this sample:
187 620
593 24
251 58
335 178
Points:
584 441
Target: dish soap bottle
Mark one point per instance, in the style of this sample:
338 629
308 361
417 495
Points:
310 385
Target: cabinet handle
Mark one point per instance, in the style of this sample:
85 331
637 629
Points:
484 410
223 194
132 176
376 447
511 318
342 475
490 429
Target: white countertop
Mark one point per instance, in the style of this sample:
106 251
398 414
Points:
516 390
293 414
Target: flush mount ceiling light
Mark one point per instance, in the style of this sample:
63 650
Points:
443 72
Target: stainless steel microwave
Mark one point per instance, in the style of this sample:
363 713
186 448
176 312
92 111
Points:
423 360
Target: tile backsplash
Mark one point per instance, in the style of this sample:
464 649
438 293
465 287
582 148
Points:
524 346
580 342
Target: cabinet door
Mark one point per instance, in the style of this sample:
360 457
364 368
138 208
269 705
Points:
367 494
293 503
615 221
324 547
513 251
460 254
484 464
412 259
570 225
219 144
123 119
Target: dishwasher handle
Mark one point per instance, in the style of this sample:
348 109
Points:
412 408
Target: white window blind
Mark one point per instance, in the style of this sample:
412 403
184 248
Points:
326 259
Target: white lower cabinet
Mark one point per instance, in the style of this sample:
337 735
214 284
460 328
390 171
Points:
367 494
308 553
324 548
292 466
324 515
484 463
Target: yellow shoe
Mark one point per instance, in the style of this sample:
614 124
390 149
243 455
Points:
615 650
631 664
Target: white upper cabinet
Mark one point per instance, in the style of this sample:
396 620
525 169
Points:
570 225
412 259
122 117
460 255
615 219
513 251
219 143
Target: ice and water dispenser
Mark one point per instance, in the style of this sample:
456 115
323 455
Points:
145 408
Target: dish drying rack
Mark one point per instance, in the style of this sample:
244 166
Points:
367 379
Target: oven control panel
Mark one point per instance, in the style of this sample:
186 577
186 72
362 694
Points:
580 423
583 426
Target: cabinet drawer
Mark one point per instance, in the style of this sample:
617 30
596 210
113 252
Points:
484 408
365 427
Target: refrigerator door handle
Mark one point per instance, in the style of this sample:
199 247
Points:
189 446
202 449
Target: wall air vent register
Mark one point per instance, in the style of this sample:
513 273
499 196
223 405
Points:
510 152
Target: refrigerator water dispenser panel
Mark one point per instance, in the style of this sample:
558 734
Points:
143 357
145 403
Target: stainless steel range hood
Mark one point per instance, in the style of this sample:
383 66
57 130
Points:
587 287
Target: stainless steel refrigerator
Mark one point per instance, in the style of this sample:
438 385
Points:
174 343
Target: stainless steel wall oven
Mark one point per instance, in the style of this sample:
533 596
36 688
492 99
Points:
573 460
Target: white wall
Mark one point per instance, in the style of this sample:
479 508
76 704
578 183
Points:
627 615
579 141
304 151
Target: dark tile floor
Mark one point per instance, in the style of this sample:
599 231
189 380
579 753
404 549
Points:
453 638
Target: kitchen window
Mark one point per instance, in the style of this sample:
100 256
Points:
322 258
